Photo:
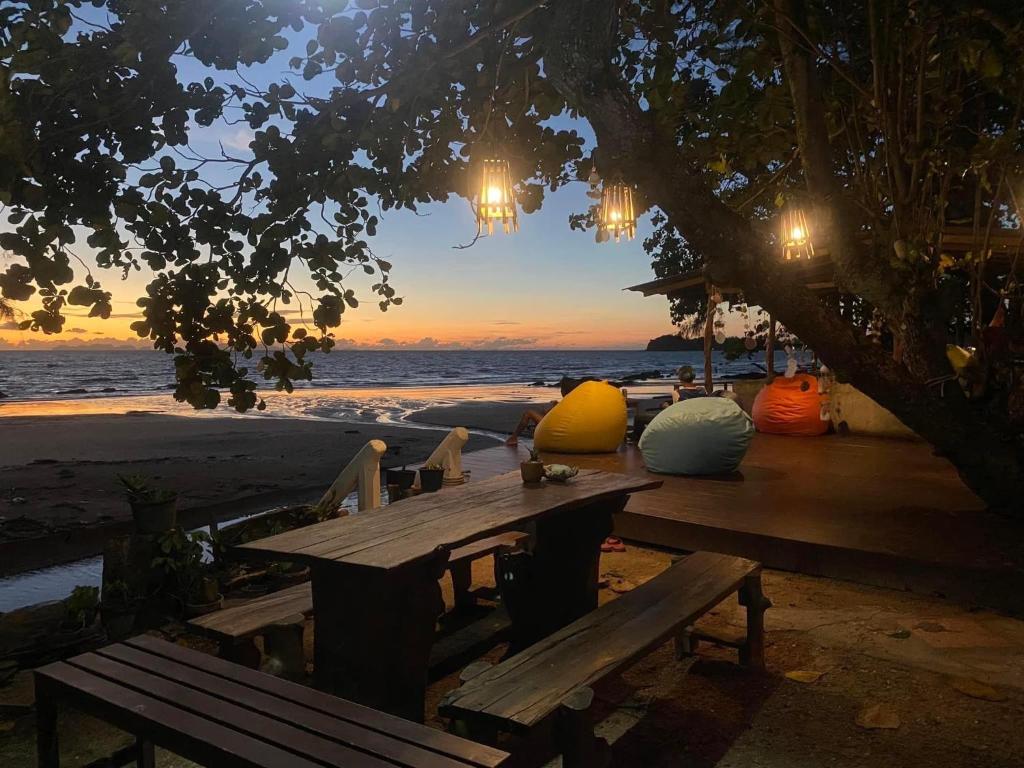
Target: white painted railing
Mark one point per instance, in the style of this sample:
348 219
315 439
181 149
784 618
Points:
449 454
362 473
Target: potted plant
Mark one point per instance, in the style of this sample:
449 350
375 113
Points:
532 470
80 609
118 609
403 478
189 581
431 477
154 510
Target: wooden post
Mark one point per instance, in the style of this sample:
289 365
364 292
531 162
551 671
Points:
362 473
47 749
769 349
462 580
580 748
449 454
753 599
709 332
374 630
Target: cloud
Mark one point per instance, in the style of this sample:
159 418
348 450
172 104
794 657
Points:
506 322
9 325
75 330
240 139
37 343
429 342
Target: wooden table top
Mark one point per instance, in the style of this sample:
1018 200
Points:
413 529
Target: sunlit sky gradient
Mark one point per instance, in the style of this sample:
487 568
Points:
543 287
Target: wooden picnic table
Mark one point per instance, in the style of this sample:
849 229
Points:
376 594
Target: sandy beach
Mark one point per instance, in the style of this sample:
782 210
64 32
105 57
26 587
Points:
60 498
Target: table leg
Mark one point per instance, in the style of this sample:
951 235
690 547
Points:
47 747
373 632
563 569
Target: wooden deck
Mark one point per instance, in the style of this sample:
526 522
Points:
870 510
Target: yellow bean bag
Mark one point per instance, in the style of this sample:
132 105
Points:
590 419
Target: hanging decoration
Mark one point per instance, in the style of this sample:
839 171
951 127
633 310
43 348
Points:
796 235
616 216
495 199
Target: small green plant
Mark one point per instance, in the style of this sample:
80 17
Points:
433 466
141 492
119 593
180 558
80 607
534 454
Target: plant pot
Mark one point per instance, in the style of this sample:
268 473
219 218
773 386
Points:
403 478
155 517
431 480
532 471
207 592
118 620
201 609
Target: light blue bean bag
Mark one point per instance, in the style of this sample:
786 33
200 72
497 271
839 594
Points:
701 436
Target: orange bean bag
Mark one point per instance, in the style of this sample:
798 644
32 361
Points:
790 407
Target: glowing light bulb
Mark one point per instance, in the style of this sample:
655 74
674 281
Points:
797 234
495 195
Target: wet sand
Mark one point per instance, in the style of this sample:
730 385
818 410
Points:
60 498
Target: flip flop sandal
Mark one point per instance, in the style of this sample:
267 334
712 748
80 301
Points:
613 544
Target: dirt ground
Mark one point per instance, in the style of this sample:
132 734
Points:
843 660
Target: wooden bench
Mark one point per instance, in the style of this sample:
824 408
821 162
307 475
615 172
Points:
279 616
220 714
545 690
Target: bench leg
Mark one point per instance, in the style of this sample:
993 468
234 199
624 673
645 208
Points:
47 747
146 754
580 748
686 643
283 647
753 599
462 580
243 652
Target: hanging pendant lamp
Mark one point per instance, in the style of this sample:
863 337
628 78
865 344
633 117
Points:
495 198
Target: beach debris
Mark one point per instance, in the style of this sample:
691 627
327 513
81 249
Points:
930 626
976 689
805 676
899 634
878 717
617 582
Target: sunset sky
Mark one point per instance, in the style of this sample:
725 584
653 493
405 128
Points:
543 287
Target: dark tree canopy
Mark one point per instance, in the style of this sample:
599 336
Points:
887 120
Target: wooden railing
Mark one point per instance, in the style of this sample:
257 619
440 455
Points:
362 474
449 454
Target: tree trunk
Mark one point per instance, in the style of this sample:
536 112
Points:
579 63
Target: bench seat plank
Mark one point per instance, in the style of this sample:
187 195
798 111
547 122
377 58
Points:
443 743
251 618
204 740
281 710
523 690
240 716
487 546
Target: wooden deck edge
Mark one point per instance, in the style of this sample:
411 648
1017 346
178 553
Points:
998 588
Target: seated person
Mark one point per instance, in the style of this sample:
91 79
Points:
532 417
687 386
